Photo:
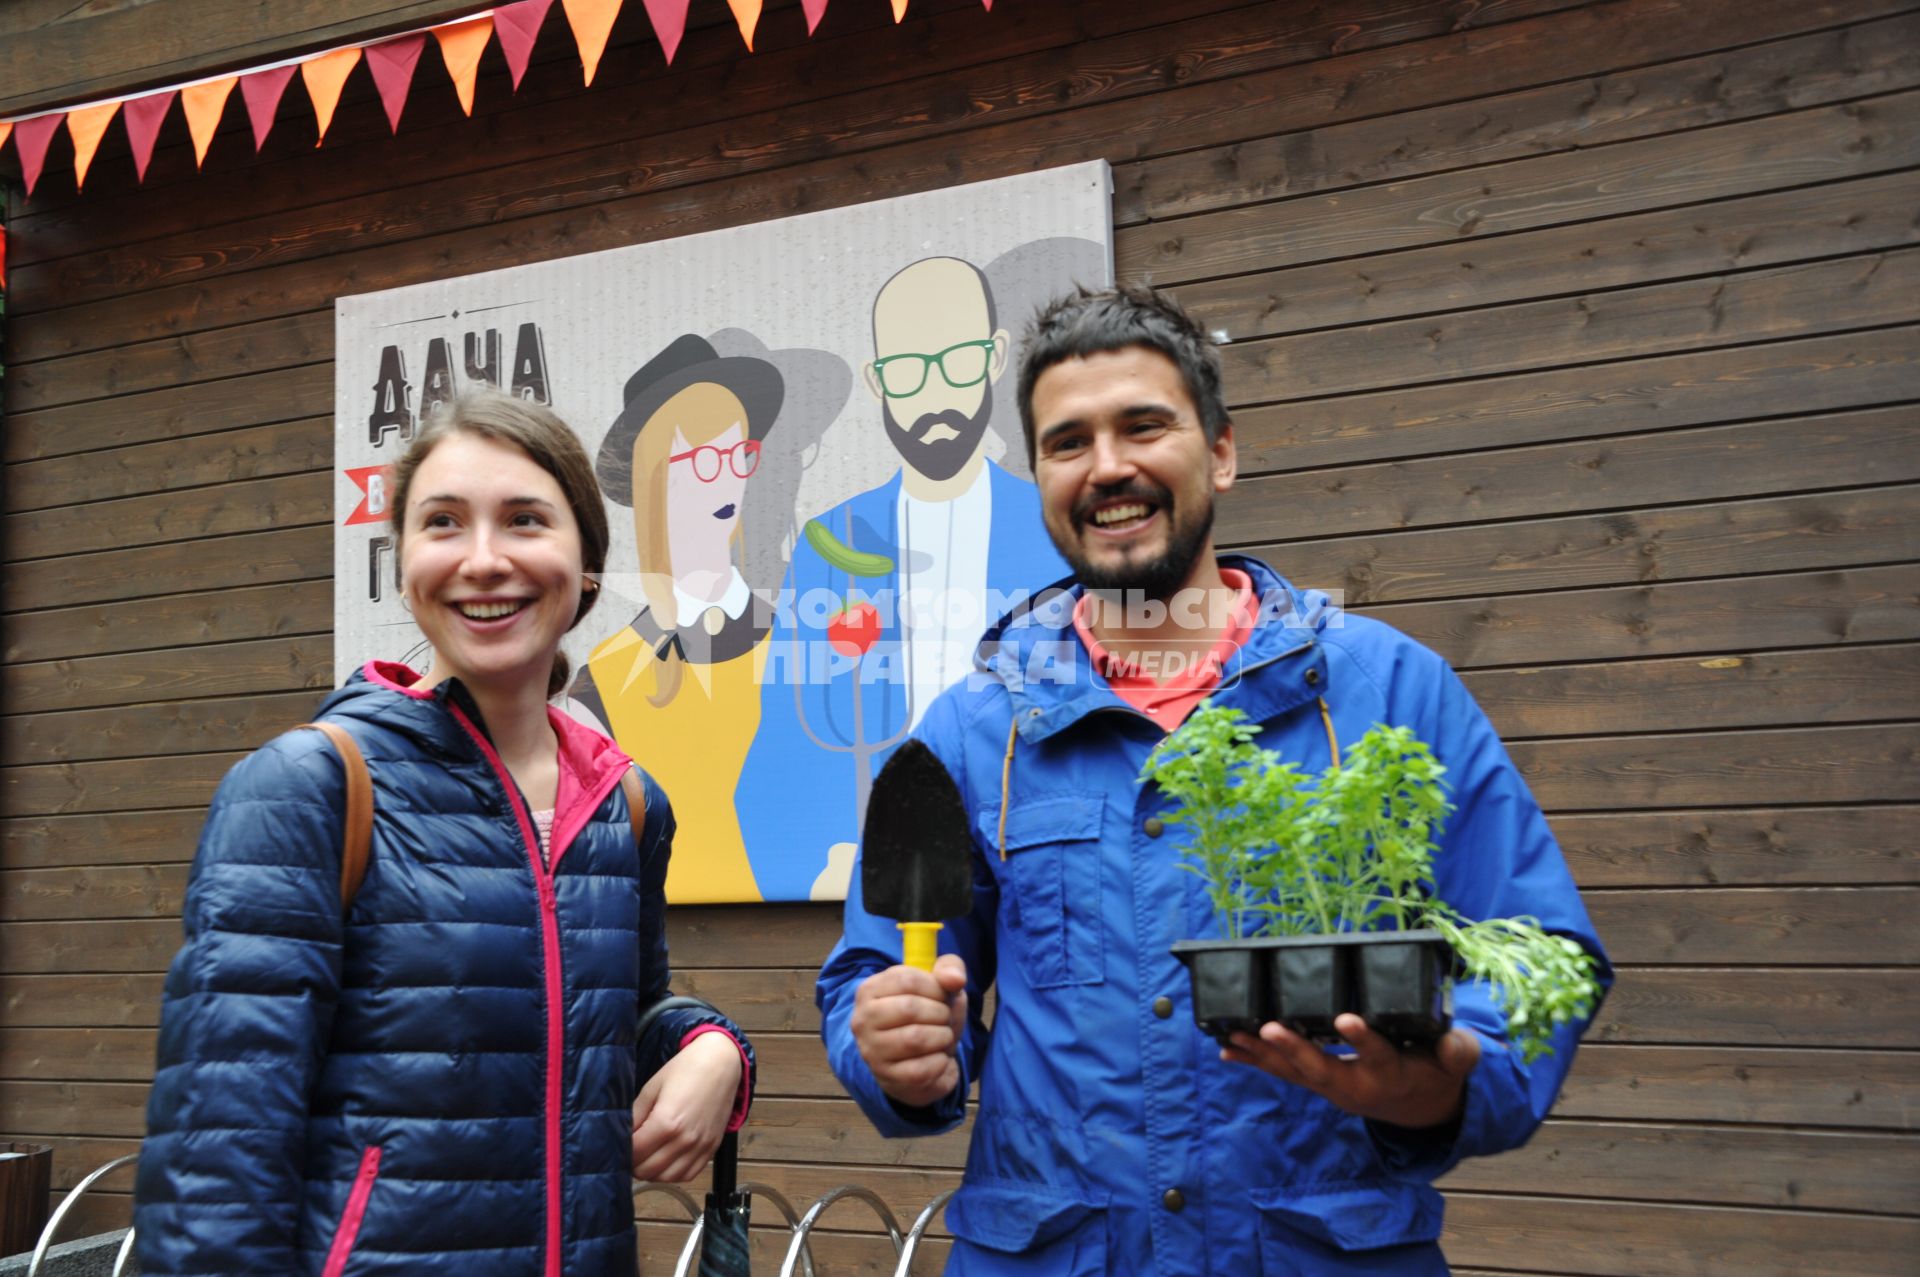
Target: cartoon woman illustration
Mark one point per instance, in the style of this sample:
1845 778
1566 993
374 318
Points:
679 687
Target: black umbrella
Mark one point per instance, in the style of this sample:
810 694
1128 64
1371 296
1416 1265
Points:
723 1228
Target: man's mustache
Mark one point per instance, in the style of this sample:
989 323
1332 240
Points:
937 427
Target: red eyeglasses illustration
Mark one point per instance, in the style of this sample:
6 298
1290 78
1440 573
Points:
743 458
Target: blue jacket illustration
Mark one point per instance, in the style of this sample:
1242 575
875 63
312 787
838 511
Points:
828 721
440 1081
1109 1136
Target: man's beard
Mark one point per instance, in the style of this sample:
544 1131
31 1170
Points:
946 458
1155 578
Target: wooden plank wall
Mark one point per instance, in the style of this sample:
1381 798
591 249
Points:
1577 339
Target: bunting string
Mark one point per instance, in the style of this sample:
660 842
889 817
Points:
324 73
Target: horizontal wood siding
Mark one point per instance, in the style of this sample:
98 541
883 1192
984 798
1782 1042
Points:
1576 338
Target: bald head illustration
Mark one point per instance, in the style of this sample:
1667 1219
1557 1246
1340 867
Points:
937 352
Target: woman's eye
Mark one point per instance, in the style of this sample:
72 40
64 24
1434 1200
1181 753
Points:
528 519
440 520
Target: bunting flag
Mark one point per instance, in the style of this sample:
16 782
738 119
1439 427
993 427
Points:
143 117
461 44
203 104
669 18
592 23
517 25
86 126
262 91
392 63
747 14
324 77
30 139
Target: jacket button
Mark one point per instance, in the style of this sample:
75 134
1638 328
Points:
1313 678
1163 1007
1174 1200
1153 827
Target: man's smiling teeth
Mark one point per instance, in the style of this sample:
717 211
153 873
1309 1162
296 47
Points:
490 611
1120 514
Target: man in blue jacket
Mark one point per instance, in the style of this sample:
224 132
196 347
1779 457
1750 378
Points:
1112 1136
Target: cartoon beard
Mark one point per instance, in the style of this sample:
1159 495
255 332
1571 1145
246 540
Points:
944 458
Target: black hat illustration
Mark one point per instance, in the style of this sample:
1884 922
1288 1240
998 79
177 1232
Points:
688 360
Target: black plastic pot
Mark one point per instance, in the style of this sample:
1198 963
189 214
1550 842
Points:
1229 984
1398 981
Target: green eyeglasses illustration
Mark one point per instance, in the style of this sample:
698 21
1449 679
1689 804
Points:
963 364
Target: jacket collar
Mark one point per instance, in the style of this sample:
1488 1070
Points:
389 693
1035 653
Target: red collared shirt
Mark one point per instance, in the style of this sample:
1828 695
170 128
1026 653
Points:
1186 678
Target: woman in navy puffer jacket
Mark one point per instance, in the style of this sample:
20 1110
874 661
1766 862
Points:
449 1078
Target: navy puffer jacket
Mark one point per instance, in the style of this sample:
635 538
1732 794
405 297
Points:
441 1081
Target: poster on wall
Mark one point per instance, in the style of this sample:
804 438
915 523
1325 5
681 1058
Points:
808 439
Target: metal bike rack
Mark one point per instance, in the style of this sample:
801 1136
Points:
819 1208
799 1255
59 1216
921 1223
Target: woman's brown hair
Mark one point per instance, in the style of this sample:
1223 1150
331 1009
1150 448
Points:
550 443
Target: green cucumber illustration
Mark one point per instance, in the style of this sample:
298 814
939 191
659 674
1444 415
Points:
840 555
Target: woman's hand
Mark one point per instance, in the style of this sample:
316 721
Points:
683 1109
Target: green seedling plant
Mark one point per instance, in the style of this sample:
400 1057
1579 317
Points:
1283 853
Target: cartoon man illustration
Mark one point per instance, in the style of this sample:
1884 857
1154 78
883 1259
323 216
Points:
888 592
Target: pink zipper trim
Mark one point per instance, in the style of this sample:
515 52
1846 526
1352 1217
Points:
550 947
356 1211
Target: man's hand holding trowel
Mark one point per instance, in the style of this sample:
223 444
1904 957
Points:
915 867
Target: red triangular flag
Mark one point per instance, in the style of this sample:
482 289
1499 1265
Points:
392 63
263 90
989 4
144 117
815 10
30 139
669 18
5 129
517 24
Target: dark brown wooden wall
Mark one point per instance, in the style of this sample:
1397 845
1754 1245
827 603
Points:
1576 339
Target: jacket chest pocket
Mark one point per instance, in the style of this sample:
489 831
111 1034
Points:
1050 887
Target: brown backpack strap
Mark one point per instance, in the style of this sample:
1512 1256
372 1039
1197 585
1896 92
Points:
636 804
356 844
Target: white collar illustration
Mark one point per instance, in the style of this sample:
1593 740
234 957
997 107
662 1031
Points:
733 601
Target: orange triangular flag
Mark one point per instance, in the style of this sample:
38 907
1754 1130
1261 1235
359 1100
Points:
461 44
324 77
6 131
899 9
203 104
592 23
86 125
747 14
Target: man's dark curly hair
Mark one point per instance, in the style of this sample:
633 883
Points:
1092 321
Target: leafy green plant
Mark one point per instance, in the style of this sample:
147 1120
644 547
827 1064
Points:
1286 854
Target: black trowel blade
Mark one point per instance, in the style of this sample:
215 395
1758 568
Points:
916 854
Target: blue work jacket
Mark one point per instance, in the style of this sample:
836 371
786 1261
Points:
1110 1137
437 1079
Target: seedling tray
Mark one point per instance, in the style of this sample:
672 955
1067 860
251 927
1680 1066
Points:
1398 981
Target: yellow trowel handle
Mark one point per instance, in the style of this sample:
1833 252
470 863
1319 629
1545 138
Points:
921 942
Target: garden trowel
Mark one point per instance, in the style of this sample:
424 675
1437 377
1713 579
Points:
916 854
